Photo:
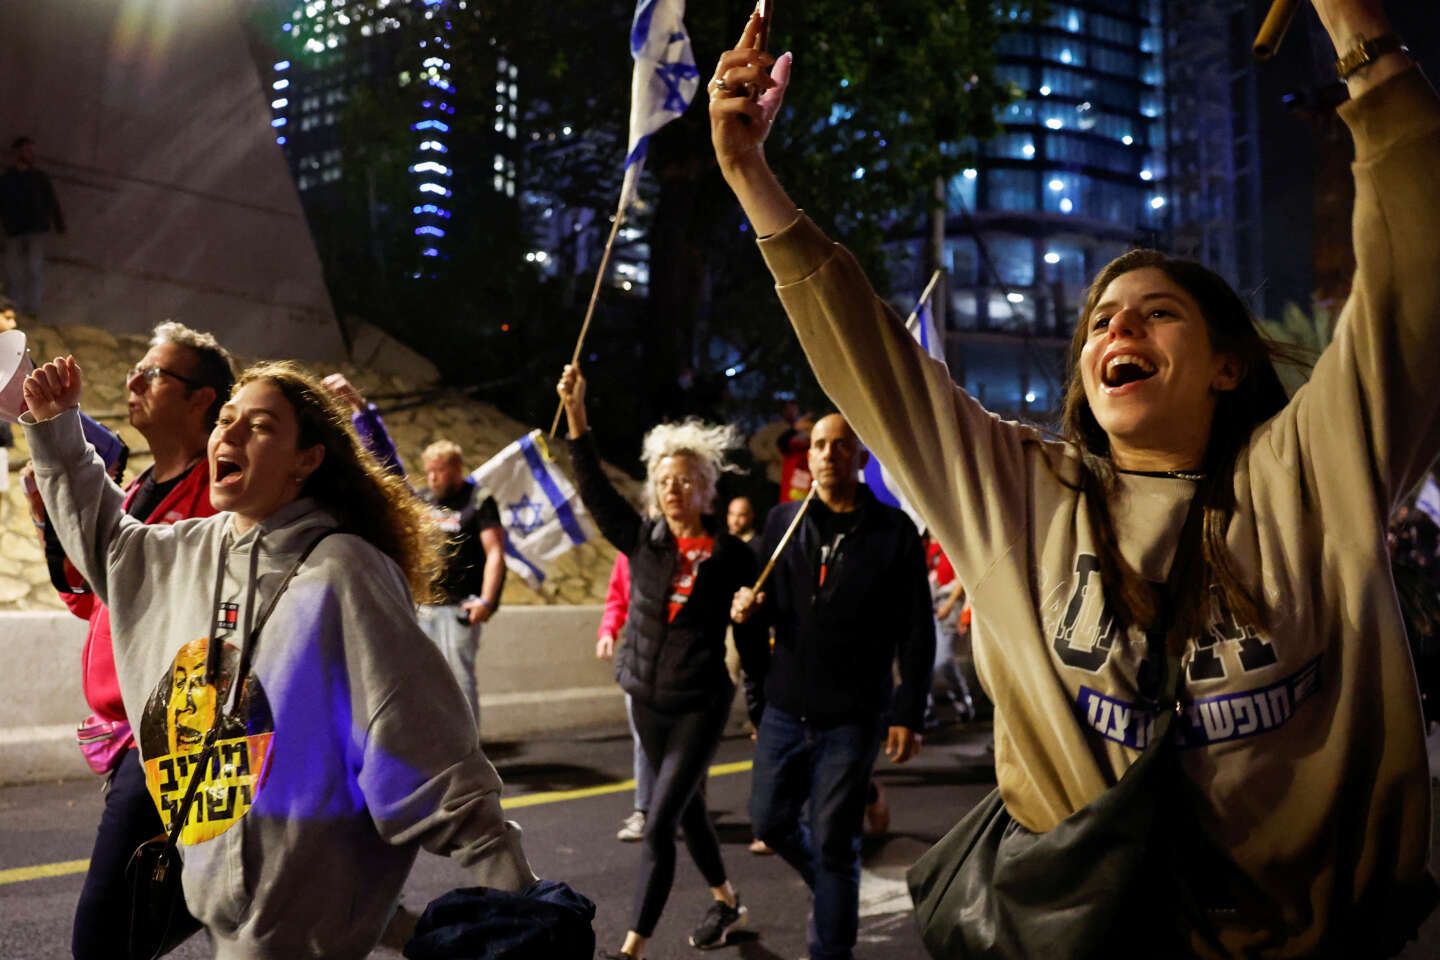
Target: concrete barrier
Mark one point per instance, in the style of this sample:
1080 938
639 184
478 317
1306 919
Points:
537 670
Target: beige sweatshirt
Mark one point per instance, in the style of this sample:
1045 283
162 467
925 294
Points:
1306 743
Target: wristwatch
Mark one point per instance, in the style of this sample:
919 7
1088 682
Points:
1366 52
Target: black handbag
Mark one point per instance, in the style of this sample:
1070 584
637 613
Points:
153 873
1096 883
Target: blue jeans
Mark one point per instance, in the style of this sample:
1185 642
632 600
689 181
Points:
644 773
458 643
828 767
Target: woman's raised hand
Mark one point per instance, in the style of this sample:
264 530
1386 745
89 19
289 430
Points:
53 388
739 125
571 389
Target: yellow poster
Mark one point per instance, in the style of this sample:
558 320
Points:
177 718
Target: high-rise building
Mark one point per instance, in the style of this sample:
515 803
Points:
329 49
1084 167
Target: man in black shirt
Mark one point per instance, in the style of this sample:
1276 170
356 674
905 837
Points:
474 570
29 211
848 594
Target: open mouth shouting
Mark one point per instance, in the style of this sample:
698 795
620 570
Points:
227 472
1124 371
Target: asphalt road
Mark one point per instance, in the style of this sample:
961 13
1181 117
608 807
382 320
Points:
571 837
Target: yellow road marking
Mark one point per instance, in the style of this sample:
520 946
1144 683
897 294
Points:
21 874
69 867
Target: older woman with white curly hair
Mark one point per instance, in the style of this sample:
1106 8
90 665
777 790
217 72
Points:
683 572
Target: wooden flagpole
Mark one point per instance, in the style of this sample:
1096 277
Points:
925 295
590 309
789 532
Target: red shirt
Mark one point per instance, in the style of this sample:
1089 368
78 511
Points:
936 560
693 552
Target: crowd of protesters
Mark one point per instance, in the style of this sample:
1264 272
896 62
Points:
311 722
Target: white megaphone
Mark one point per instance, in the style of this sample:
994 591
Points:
15 366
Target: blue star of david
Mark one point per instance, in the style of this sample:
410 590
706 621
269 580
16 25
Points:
672 75
525 516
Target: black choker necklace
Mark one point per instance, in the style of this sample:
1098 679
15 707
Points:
1193 475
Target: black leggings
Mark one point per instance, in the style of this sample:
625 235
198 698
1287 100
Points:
679 748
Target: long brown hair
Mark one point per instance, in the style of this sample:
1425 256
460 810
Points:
368 502
1258 397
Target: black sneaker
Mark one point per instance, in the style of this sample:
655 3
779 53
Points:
720 919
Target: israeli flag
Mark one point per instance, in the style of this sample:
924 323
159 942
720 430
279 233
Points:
921 326
663 84
541 512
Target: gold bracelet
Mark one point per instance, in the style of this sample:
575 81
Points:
1367 52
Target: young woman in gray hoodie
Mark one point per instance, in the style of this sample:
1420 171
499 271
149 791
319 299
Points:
348 745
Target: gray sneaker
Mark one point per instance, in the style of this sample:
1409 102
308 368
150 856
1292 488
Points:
714 930
633 828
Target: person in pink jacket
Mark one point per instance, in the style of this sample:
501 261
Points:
617 606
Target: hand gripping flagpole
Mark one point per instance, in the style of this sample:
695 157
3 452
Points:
789 532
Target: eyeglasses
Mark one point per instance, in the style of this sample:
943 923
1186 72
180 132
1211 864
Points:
682 482
151 374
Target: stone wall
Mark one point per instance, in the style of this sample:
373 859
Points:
479 428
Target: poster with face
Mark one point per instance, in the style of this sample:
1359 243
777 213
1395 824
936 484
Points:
173 727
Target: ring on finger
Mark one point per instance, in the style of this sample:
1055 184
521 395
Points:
718 85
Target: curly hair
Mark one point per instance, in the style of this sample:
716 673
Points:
704 443
374 505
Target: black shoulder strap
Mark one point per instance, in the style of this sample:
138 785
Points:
247 655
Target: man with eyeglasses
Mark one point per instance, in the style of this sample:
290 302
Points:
174 396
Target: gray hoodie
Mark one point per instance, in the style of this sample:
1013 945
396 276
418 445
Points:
352 747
